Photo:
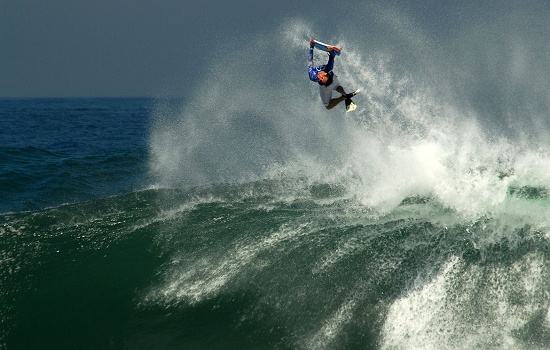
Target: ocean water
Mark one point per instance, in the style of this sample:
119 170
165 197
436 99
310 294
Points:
420 221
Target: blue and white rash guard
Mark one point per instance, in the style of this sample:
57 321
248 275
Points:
313 71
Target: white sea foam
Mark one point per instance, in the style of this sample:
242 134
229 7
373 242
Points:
406 139
467 307
208 275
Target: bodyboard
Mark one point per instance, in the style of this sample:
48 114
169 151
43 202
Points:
324 47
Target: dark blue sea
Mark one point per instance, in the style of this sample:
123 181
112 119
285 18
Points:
221 221
59 151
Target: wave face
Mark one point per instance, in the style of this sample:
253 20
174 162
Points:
278 264
251 217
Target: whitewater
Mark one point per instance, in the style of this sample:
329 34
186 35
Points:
462 185
418 221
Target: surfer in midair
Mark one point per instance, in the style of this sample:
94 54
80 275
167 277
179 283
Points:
328 81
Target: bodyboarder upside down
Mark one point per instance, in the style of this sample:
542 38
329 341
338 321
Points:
328 81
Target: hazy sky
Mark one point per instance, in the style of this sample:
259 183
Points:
120 47
155 47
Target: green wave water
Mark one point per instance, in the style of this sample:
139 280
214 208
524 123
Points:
248 216
248 266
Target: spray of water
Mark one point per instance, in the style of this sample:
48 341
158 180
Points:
438 120
258 116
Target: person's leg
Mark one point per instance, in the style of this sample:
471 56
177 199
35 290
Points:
350 95
326 94
335 101
340 89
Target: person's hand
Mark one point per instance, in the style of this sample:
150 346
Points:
312 43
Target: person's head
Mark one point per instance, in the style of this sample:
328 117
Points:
322 77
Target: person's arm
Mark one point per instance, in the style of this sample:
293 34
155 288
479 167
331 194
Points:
330 63
311 72
310 57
